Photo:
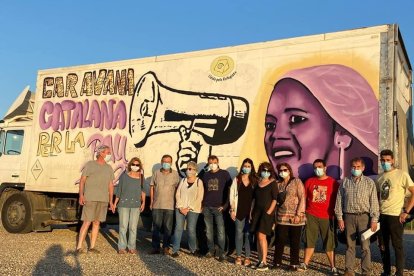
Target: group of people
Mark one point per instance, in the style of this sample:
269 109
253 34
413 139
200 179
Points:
261 203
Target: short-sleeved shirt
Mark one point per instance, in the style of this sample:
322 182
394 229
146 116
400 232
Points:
321 197
216 186
165 185
98 177
129 191
392 187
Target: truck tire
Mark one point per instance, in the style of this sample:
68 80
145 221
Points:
16 214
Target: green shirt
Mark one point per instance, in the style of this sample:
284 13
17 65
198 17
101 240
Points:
98 177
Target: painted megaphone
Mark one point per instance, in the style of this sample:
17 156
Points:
156 109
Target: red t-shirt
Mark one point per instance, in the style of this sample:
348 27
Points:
321 197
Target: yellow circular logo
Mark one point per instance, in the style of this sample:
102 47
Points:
222 66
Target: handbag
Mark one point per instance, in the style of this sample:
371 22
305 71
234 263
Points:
281 196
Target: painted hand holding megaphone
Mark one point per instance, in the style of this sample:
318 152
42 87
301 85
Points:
199 117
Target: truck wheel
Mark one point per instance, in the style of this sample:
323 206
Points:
16 214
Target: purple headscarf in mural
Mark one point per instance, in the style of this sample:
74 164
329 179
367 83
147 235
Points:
347 98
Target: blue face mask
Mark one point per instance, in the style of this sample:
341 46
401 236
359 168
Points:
319 172
166 166
356 172
386 166
265 174
246 170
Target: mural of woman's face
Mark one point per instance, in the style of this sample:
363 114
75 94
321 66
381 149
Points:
298 129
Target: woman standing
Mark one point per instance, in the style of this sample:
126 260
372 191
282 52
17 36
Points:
241 198
130 200
290 215
263 211
188 197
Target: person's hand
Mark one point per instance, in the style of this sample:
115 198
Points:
374 226
189 148
296 219
82 200
233 215
220 209
341 225
403 217
112 207
142 207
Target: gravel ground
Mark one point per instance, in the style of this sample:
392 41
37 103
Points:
52 253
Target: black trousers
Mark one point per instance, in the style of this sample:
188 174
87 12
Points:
285 233
393 230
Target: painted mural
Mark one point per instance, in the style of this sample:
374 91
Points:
272 104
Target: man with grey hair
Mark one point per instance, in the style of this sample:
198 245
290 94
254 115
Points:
95 191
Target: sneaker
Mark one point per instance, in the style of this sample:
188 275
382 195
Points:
208 255
195 254
175 255
94 251
247 262
302 267
334 271
294 268
262 267
222 258
276 266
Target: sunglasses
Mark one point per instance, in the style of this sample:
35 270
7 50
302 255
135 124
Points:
266 170
283 170
135 165
191 169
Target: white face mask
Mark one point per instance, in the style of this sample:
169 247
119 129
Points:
108 158
284 174
134 168
213 166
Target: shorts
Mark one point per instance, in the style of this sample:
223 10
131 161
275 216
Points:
324 227
94 210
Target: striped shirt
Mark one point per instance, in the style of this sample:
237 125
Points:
357 198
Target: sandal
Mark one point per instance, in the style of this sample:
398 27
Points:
133 251
247 262
122 251
79 251
238 261
94 251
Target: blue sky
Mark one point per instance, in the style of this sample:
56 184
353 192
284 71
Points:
39 35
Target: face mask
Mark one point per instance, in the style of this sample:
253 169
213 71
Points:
166 166
386 166
190 173
284 174
265 174
134 168
108 158
246 170
319 172
356 172
213 167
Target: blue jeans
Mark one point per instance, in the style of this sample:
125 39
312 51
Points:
211 215
128 220
242 231
162 219
191 230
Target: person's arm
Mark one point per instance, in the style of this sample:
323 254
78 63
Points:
81 190
409 205
233 189
152 187
338 207
142 201
111 196
374 204
227 192
178 202
300 211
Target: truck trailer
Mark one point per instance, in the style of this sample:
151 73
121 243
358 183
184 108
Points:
334 96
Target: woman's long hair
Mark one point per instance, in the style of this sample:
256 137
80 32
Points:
252 176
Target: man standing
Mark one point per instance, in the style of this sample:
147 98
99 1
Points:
216 187
392 186
320 204
162 193
95 191
357 209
